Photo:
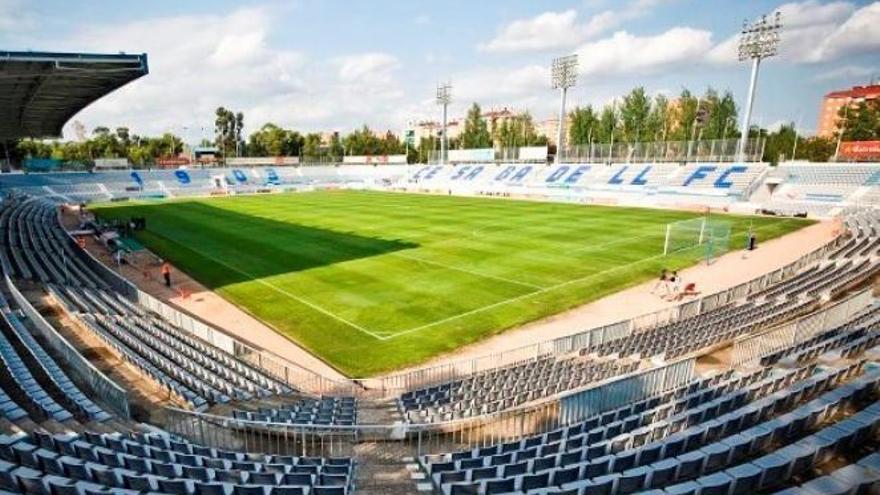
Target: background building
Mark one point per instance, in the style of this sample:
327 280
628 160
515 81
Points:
835 100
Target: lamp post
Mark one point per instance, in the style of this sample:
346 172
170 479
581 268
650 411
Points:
563 76
758 40
444 98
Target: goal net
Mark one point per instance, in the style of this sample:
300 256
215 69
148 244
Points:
712 235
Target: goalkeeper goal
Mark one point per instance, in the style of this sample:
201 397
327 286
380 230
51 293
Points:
712 235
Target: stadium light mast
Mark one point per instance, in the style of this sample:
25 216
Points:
444 98
758 40
563 76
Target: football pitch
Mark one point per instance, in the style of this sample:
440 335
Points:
371 282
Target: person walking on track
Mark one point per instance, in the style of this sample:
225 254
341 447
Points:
166 273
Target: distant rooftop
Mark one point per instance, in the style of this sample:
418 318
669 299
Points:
872 91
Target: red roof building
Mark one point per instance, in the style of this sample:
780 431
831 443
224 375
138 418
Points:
835 100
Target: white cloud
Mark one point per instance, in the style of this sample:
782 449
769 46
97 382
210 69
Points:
204 61
859 34
562 29
846 72
501 83
816 32
367 67
547 30
422 20
15 18
625 53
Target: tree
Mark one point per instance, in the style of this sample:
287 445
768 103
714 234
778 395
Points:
634 114
337 150
779 144
271 140
517 131
816 149
476 132
657 125
123 135
722 116
608 125
684 116
228 126
311 146
860 122
363 142
583 121
426 148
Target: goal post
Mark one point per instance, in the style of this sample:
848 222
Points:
713 235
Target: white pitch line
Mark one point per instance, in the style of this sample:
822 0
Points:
293 296
612 243
546 289
520 297
465 270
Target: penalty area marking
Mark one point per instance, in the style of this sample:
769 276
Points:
520 297
465 270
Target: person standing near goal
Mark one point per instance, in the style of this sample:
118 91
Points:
662 283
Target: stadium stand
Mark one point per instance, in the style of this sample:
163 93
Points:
789 188
194 370
699 431
323 411
82 187
665 182
504 388
134 462
776 425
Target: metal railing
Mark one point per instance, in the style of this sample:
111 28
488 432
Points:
398 383
395 384
564 409
291 374
750 349
101 386
711 150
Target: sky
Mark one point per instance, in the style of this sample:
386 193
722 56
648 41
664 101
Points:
315 65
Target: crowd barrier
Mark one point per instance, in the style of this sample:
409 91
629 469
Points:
396 384
75 364
749 350
295 376
564 409
708 150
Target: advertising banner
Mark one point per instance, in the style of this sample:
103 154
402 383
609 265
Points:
860 150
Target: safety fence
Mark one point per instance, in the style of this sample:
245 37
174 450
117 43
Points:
291 374
749 350
295 376
707 150
395 384
417 439
101 386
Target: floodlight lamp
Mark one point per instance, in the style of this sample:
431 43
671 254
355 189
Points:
444 93
760 39
564 72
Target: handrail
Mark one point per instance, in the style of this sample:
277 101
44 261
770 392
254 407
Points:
294 375
105 388
562 409
394 384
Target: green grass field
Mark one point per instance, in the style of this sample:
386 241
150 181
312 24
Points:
371 282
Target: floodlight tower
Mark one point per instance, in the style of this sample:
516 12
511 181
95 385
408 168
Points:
758 40
444 98
563 76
